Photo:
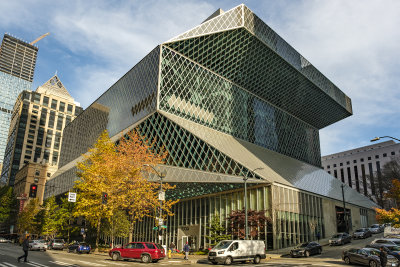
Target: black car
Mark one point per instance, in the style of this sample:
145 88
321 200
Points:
393 250
340 239
79 247
366 256
306 249
362 233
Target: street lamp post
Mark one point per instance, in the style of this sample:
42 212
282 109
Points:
378 138
246 230
344 210
161 197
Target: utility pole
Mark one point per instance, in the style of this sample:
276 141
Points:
344 211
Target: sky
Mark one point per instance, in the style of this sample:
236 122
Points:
354 43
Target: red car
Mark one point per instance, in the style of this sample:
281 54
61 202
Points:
146 251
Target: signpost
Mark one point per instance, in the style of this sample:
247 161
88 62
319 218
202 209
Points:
71 197
161 196
22 199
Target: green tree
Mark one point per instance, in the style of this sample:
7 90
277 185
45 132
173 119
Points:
50 218
26 221
217 231
8 205
66 217
116 226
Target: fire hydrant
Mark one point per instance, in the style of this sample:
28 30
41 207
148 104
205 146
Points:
169 253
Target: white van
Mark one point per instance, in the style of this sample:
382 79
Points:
228 251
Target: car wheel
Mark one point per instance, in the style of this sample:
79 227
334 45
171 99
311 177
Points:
214 262
373 264
347 260
256 260
319 251
307 253
155 261
228 261
146 258
115 256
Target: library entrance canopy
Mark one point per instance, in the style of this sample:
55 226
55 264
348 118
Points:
263 63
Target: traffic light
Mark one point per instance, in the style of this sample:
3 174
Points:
104 198
33 190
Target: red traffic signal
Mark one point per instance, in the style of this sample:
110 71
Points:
33 191
104 198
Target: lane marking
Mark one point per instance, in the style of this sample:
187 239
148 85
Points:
95 264
9 264
61 263
39 264
111 262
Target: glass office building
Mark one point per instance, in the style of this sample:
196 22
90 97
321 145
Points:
227 99
17 66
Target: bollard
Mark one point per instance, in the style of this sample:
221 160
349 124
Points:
169 253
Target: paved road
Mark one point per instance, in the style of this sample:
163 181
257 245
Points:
331 256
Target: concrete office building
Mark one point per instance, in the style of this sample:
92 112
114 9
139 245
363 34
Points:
228 99
17 66
360 168
35 135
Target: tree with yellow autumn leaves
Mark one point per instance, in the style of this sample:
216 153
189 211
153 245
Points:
118 170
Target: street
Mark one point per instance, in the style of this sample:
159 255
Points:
331 256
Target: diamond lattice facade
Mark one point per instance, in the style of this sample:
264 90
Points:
227 99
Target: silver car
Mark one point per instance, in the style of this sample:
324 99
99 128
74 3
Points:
340 239
376 229
38 245
4 240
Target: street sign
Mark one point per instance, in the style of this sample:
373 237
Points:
71 197
160 221
161 195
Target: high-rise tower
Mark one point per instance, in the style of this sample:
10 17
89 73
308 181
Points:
17 66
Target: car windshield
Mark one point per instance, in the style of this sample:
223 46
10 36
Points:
58 240
41 241
373 252
337 236
360 230
394 248
82 244
223 244
375 226
304 245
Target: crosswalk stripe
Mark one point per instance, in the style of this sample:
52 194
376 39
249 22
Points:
114 263
9 264
1 265
39 264
32 264
61 263
95 264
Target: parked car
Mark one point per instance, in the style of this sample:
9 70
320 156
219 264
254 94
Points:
56 244
4 240
376 229
306 249
366 256
228 251
38 245
393 250
146 251
340 239
362 233
79 247
380 242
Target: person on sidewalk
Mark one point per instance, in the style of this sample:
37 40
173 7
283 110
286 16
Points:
25 248
382 257
186 249
318 236
172 247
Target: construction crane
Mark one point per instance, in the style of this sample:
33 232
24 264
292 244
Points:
39 38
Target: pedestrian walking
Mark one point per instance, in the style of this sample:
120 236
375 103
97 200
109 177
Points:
186 249
25 248
318 236
382 257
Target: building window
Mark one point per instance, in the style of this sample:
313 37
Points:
369 158
348 162
349 177
48 174
335 173
356 178
29 152
329 172
328 167
54 104
377 156
384 155
393 153
355 161
52 118
36 180
362 159
341 164
61 107
60 122
334 165
69 109
37 172
35 98
45 101
342 175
